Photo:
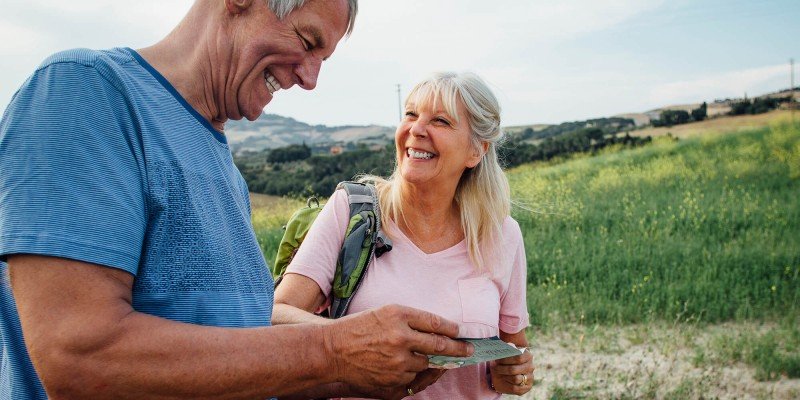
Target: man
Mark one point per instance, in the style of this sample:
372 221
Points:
132 267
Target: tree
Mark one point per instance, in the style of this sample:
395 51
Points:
700 113
674 117
292 152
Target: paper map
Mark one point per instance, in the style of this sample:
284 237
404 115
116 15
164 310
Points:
486 349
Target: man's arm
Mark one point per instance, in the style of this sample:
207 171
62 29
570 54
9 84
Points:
86 341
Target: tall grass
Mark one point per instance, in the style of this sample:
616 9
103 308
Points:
703 229
269 215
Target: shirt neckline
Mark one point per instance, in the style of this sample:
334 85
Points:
419 251
174 92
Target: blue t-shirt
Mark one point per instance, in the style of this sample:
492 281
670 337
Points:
102 161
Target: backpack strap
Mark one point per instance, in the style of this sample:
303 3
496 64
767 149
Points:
363 240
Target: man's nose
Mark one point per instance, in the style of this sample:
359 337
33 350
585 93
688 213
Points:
307 73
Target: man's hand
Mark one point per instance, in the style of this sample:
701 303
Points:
388 347
420 383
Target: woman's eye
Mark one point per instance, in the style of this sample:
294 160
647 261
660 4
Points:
410 114
442 121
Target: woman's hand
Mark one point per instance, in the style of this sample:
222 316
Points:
513 375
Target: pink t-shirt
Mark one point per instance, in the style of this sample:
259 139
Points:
445 283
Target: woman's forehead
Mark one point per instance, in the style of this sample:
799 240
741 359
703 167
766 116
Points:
429 99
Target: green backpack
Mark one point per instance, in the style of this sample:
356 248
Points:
363 239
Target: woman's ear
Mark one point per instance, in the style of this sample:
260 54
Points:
477 154
237 6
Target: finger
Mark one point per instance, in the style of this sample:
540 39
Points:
513 369
429 343
418 363
424 321
521 380
425 379
523 358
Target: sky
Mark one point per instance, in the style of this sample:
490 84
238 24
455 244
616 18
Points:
547 61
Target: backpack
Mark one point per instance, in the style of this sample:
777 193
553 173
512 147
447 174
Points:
363 239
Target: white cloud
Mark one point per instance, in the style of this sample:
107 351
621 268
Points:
728 84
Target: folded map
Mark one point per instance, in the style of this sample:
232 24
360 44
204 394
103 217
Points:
486 349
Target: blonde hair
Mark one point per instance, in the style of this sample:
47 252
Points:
483 196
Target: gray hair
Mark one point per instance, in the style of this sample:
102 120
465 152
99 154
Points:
282 8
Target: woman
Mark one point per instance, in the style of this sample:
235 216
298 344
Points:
456 251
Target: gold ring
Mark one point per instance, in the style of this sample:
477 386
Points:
524 380
410 392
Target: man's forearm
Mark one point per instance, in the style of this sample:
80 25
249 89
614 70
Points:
91 344
157 358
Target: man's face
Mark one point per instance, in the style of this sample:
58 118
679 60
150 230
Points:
269 54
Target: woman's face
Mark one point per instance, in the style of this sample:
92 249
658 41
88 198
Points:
432 149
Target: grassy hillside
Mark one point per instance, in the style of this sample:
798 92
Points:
697 229
706 229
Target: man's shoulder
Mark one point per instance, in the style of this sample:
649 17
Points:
89 57
108 64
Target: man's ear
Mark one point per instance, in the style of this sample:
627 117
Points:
237 6
477 154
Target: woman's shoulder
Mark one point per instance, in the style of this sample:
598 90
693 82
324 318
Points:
511 227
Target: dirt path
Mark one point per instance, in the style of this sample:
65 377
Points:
647 362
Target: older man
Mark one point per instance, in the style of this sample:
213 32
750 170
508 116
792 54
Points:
133 270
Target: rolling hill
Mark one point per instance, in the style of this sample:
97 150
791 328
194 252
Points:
272 131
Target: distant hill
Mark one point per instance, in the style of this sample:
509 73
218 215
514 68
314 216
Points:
271 131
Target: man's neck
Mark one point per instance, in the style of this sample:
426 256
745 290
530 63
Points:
184 58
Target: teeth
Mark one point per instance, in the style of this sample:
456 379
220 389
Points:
272 84
419 154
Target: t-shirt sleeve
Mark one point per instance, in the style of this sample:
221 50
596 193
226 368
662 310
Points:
71 184
513 304
316 257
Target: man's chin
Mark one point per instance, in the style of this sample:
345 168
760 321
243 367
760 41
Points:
253 113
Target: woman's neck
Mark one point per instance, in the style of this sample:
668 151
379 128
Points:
430 218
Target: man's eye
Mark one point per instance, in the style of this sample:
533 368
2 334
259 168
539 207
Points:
307 44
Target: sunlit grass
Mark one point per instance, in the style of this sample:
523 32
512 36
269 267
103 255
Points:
701 229
269 215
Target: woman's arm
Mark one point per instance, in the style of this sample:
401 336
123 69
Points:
296 298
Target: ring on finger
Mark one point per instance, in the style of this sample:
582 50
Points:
410 391
524 380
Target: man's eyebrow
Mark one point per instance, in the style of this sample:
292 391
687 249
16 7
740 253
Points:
316 35
319 40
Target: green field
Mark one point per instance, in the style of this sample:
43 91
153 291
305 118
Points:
701 229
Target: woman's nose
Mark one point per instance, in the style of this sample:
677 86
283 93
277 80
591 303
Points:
418 128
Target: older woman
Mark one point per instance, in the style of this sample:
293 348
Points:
457 252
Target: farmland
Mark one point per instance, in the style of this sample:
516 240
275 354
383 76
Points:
667 271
